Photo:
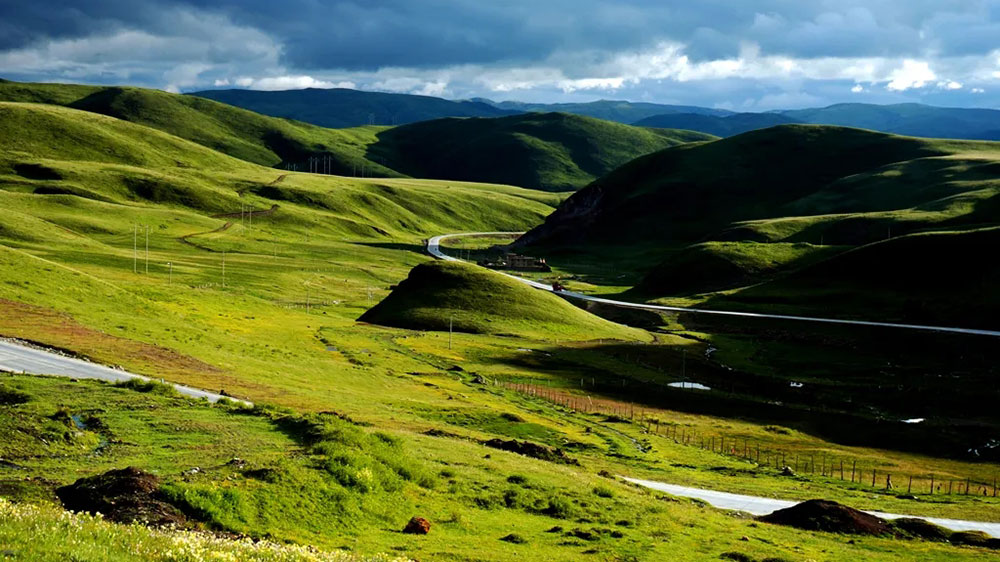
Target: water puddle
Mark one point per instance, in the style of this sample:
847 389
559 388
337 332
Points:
689 385
102 441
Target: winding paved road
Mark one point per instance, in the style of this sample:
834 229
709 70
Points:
763 506
19 358
434 249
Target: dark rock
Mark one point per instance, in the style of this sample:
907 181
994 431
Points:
787 471
122 496
828 516
417 526
514 538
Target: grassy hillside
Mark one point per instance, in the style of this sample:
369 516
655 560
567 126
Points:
940 277
239 133
711 266
786 197
472 299
550 151
720 126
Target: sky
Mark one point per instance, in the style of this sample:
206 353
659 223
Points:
740 55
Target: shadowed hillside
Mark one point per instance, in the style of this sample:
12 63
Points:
549 151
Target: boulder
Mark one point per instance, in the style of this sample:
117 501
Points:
417 526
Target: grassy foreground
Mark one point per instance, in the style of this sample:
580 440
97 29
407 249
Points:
32 532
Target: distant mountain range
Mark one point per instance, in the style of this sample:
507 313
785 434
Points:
349 108
340 107
611 110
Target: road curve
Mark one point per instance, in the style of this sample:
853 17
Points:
19 358
762 506
434 249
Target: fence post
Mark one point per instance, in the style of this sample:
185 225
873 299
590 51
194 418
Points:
932 484
909 485
967 479
841 470
854 466
873 478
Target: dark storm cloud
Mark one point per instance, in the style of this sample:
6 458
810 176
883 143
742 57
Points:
377 33
414 44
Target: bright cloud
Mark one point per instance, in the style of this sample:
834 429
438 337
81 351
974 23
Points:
913 74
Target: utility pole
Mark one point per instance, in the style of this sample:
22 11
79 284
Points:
147 250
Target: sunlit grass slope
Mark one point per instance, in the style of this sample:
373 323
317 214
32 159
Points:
468 298
243 134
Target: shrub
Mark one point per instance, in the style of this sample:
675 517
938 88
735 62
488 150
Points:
12 396
558 507
151 386
604 492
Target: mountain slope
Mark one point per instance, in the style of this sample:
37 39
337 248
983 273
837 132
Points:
550 151
760 206
687 192
88 172
340 107
544 152
724 126
948 278
243 134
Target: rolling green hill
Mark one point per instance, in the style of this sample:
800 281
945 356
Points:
553 152
249 136
764 204
548 151
945 277
439 295
51 152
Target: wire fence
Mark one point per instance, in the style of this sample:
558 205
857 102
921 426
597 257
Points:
858 472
